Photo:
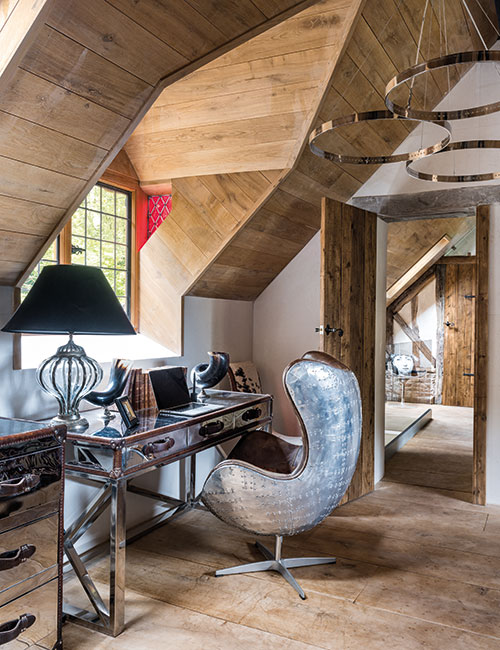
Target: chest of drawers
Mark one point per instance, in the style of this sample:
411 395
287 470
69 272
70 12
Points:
31 521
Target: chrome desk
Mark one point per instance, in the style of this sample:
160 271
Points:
111 457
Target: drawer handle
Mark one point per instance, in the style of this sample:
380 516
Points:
17 486
12 629
251 414
210 428
11 559
158 447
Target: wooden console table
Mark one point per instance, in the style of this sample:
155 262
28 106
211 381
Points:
111 457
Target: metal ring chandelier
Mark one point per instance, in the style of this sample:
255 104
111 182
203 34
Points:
459 178
371 116
479 56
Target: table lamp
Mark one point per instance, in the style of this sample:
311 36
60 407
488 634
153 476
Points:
67 299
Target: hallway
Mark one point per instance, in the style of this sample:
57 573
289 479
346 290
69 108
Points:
439 456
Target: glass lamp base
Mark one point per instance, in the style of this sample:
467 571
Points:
69 375
74 422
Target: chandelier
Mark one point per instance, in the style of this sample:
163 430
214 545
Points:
407 112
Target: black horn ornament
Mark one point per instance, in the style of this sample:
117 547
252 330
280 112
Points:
206 375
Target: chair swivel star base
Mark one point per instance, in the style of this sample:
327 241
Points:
274 562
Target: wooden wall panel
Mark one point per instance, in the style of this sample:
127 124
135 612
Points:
459 338
348 281
481 355
203 220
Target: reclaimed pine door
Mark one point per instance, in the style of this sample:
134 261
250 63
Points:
348 284
459 334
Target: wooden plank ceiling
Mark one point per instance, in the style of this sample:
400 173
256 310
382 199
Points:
383 43
407 241
246 111
76 78
211 208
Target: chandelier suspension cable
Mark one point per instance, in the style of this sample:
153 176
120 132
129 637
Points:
475 25
410 94
385 27
487 17
377 115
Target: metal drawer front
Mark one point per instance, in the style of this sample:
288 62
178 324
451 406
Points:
40 604
251 415
26 551
213 427
29 481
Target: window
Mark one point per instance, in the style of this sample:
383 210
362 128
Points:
99 234
51 256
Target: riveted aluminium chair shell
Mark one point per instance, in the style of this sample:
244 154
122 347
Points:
327 402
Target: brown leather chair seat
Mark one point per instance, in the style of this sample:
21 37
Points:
268 452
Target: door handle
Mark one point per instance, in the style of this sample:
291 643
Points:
329 330
468 374
448 324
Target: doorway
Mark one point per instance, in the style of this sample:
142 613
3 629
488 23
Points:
432 430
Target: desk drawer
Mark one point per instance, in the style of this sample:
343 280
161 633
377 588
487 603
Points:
216 426
31 619
29 481
26 551
251 415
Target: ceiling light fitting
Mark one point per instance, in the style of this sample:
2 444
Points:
458 178
372 116
439 118
480 56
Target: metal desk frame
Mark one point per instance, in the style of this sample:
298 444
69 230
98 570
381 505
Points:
113 490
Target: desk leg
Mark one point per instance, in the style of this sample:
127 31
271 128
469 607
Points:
187 476
117 556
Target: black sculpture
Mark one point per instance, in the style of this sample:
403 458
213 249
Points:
118 375
206 375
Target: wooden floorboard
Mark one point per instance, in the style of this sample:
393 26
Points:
417 567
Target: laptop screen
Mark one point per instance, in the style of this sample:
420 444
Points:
170 387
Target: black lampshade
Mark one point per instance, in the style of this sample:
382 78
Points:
70 299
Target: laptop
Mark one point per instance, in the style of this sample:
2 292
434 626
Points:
172 393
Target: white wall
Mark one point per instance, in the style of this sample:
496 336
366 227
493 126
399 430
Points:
493 409
426 322
380 346
285 315
222 325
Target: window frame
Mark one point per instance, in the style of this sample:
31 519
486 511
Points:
64 237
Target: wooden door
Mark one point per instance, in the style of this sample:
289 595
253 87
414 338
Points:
348 284
459 334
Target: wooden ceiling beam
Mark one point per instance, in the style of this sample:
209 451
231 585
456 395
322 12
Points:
418 269
413 290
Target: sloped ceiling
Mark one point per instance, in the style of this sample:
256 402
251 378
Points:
407 241
248 110
76 78
382 44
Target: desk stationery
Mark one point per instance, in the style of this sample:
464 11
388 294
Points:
112 457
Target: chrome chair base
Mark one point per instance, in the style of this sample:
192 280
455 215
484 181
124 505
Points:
274 562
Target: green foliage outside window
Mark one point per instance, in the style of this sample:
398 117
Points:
100 232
